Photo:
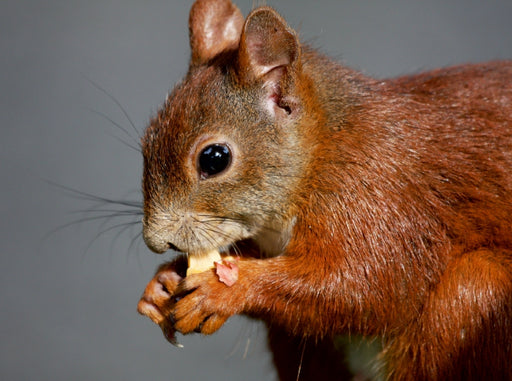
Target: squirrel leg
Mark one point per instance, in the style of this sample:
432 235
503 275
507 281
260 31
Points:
464 331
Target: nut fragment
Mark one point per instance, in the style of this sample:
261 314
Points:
227 271
198 263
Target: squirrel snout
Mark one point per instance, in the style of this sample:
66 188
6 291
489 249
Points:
159 239
155 246
156 242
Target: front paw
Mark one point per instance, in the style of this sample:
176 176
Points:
196 303
204 303
159 297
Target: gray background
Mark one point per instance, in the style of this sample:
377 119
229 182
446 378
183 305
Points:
67 299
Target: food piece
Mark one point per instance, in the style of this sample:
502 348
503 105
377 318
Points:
227 271
198 263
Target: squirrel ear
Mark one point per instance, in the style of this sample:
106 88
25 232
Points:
267 43
214 26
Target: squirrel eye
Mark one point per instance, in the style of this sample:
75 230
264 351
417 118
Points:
214 159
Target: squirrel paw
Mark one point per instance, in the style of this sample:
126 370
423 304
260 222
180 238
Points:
159 297
197 303
204 303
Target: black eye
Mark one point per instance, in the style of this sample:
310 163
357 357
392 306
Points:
213 160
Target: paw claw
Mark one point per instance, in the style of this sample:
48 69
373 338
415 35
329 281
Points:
170 334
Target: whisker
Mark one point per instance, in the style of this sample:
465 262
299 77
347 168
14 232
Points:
236 249
301 360
207 235
119 213
137 147
123 229
210 233
105 231
123 110
109 119
74 222
209 218
112 214
81 195
134 239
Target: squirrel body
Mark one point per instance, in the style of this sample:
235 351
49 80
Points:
355 205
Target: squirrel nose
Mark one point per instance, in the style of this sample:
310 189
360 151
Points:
153 237
158 243
159 236
156 247
154 242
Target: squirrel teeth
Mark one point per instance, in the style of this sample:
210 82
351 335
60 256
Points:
198 263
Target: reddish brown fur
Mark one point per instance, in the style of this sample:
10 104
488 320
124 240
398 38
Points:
394 199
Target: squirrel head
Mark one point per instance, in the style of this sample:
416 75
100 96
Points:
226 152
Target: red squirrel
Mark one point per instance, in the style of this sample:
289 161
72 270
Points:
354 206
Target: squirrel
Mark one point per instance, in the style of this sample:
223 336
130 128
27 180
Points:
353 206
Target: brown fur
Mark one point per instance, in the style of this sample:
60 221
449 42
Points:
357 206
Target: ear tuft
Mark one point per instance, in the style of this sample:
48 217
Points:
267 43
214 26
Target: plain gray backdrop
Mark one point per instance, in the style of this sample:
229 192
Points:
68 297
